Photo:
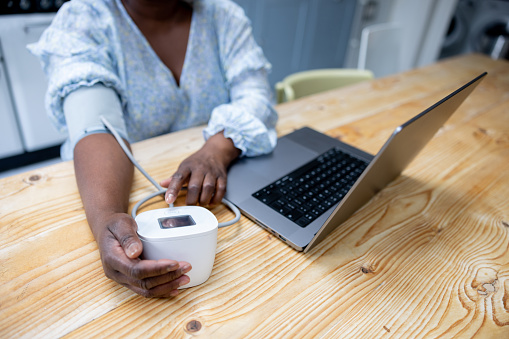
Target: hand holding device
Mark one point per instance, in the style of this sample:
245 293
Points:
188 233
167 233
120 249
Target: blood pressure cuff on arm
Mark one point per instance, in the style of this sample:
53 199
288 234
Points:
84 107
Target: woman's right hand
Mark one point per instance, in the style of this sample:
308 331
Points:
120 250
104 175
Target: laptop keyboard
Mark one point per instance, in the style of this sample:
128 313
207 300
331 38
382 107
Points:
309 191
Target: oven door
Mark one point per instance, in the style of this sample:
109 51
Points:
27 80
10 140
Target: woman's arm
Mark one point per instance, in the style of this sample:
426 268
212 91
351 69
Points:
104 175
245 125
81 51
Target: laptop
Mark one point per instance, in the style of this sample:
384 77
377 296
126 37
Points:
311 183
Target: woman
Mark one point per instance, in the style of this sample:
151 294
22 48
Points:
153 67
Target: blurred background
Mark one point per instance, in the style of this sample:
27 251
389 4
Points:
385 36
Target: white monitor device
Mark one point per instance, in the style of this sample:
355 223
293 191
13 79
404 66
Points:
187 233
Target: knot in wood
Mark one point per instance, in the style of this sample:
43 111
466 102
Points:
35 177
485 281
367 269
193 326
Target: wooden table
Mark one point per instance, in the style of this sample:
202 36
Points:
426 257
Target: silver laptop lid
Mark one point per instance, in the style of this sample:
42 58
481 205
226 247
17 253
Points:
399 150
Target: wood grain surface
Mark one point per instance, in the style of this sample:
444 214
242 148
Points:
427 257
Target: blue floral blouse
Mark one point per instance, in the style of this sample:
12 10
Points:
223 81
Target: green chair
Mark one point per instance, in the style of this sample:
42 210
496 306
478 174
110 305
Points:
310 82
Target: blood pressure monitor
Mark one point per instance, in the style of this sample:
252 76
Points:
187 233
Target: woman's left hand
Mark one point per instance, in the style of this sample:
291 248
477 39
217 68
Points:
204 172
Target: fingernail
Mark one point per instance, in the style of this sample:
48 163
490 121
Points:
174 293
131 250
186 268
169 198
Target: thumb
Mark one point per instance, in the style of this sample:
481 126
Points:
125 232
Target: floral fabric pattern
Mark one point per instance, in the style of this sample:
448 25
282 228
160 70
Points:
223 82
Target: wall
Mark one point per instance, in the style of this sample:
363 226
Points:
424 25
301 34
422 29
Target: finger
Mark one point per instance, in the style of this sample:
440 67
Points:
146 269
129 270
208 189
124 231
194 187
169 289
220 191
165 182
177 180
164 285
151 283
160 279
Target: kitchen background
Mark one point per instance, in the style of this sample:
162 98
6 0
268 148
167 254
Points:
295 35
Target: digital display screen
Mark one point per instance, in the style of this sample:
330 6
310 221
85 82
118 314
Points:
178 221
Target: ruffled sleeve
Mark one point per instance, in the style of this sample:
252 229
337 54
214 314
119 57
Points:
78 49
249 119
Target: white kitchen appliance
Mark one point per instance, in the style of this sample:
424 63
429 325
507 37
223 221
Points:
9 132
24 125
